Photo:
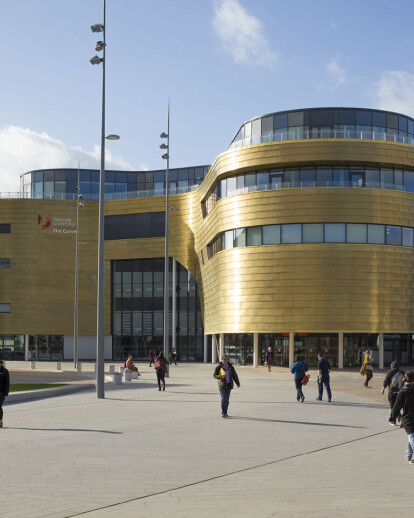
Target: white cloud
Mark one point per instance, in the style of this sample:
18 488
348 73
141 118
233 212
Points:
336 73
22 150
242 34
395 92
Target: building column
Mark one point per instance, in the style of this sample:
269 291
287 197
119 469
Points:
26 348
174 305
221 345
291 349
205 348
214 349
256 350
381 351
340 350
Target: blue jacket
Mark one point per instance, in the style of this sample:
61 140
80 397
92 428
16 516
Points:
297 370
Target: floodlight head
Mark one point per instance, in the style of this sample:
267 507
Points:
112 137
81 204
80 196
166 156
96 60
98 27
163 135
163 146
99 46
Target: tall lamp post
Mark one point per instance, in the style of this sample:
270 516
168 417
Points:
166 156
79 204
100 331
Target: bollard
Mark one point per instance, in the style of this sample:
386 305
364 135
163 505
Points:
121 369
32 365
127 375
117 378
134 375
111 369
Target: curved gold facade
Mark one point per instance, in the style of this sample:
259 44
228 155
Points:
264 289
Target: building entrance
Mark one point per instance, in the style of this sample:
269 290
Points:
398 348
239 348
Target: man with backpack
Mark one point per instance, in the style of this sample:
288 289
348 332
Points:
394 380
405 402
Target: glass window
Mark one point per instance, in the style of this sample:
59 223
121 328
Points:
346 117
267 124
324 177
402 123
408 181
231 186
292 178
410 127
280 121
307 177
387 179
340 177
60 187
398 179
334 232
296 119
223 188
291 233
48 176
248 130
372 178
4 263
263 180
271 234
48 189
38 176
378 119
4 308
363 117
407 237
321 117
356 233
313 232
393 235
376 234
240 237
228 240
392 121
254 236
275 179
250 179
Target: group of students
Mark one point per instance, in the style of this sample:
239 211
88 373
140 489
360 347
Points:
400 389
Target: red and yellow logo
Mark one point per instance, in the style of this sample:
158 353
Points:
43 221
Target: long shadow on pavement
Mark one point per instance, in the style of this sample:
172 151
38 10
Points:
61 430
292 422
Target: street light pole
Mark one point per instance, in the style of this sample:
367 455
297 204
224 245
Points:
75 316
166 157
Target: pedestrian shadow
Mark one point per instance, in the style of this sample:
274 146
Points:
260 419
61 430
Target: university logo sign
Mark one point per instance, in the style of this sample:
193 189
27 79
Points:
43 221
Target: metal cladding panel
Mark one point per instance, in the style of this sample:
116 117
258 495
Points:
270 288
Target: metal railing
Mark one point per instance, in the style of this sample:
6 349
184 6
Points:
281 136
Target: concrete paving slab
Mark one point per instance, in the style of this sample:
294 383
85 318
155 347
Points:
141 452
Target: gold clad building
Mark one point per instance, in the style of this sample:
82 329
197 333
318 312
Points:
300 237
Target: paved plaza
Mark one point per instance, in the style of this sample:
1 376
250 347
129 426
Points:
144 453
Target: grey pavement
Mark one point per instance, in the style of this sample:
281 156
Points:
143 453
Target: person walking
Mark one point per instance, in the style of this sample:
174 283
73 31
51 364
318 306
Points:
4 388
151 356
367 368
405 402
324 368
299 370
173 356
269 359
160 367
226 375
394 380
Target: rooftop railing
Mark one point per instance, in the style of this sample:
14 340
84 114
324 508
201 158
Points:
300 134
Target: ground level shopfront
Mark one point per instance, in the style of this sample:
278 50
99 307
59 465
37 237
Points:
343 350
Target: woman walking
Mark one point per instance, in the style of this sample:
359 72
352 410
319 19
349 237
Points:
367 369
299 369
160 367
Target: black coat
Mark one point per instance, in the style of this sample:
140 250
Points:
388 379
405 402
233 377
4 381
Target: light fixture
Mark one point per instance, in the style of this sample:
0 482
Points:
96 60
166 156
163 146
112 137
163 135
98 27
99 46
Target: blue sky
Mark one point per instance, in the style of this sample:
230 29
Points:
220 61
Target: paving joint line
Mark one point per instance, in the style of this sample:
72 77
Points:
217 477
